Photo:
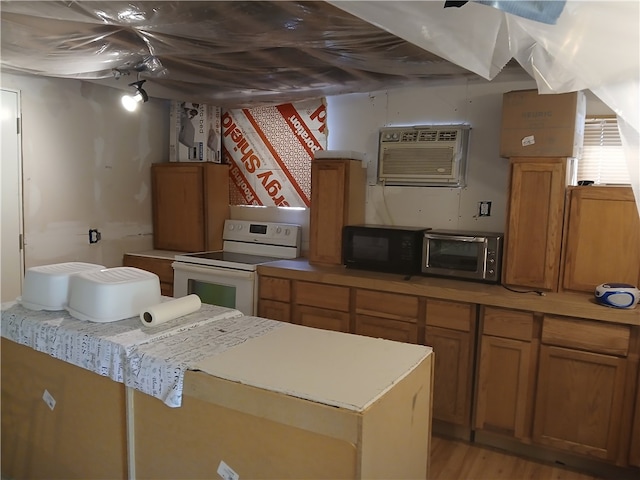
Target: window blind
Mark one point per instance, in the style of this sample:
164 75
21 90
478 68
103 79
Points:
603 155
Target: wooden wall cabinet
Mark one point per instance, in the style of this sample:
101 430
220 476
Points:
450 330
321 306
386 315
581 386
274 300
190 204
337 199
533 236
602 238
160 266
507 364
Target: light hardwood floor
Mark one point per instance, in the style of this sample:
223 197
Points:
457 460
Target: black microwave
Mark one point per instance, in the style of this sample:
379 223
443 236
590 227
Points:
383 248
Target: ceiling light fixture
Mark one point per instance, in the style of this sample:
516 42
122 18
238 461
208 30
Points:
130 102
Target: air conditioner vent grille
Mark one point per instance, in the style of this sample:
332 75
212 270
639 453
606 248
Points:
424 155
447 135
413 161
428 135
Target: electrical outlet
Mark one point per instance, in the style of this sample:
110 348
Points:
94 235
484 209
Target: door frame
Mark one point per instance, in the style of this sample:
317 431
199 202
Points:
17 176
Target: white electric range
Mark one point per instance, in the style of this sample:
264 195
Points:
228 277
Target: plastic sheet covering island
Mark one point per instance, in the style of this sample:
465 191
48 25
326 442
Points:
150 360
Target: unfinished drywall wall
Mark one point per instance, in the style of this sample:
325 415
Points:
86 164
354 121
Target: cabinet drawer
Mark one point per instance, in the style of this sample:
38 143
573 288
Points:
453 315
323 296
387 305
501 322
274 310
324 319
586 335
385 328
275 289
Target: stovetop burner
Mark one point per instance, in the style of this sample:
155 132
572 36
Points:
210 258
248 244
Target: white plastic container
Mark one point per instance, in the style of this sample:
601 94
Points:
112 294
47 287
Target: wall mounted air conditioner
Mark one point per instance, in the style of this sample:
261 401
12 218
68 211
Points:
423 155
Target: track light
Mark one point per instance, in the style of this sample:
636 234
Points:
130 102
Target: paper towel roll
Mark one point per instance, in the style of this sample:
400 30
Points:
163 312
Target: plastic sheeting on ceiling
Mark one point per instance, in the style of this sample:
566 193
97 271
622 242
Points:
224 53
243 53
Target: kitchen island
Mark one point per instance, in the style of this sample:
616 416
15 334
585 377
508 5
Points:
275 401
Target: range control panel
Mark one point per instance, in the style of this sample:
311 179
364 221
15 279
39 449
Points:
268 233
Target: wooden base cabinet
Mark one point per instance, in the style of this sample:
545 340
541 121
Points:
274 298
581 386
506 372
634 449
450 331
387 315
160 266
321 306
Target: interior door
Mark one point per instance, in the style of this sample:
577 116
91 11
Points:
12 260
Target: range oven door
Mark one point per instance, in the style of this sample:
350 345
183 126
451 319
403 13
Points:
221 286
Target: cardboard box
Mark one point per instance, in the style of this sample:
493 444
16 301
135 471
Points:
535 125
194 133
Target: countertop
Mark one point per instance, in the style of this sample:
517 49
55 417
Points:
580 305
169 254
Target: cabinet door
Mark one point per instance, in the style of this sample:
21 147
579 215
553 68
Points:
178 207
503 389
322 318
634 449
534 222
190 204
328 182
337 199
579 401
378 327
452 374
602 238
